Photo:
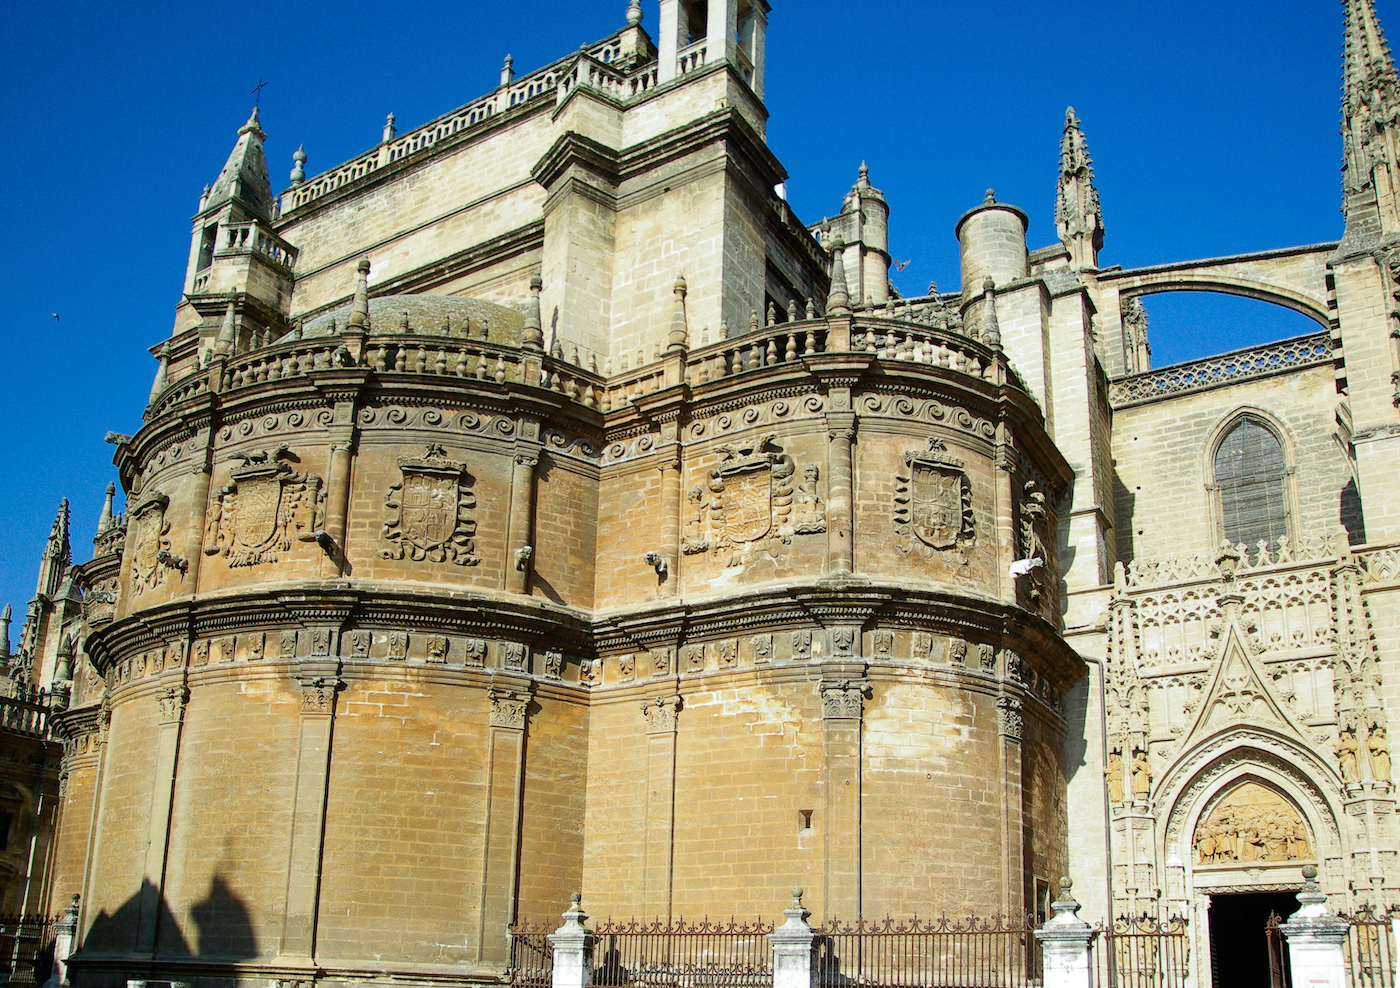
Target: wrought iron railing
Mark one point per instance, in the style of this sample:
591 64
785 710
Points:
733 954
26 943
1370 950
1143 953
531 957
929 953
1227 368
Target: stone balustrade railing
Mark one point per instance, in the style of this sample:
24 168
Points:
787 343
592 72
1204 565
541 82
1227 368
256 237
691 57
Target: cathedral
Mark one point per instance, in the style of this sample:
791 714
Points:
535 504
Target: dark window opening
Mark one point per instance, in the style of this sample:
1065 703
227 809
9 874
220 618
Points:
696 24
206 247
1251 475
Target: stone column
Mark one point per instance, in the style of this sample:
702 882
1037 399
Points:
794 960
573 948
670 522
505 773
199 515
315 729
64 932
842 711
1315 937
519 548
338 500
841 429
172 713
1064 942
1013 880
1005 512
661 716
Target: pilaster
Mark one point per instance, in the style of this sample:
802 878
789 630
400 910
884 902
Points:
505 770
661 718
843 689
172 699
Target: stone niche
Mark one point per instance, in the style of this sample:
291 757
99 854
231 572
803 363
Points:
1252 824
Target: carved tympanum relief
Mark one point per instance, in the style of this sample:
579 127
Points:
933 501
1252 823
265 508
431 511
747 501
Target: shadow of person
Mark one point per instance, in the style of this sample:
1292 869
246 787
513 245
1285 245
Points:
223 925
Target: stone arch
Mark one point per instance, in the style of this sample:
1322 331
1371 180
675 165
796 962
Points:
1196 782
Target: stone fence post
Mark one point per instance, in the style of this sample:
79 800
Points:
1315 937
1065 940
65 931
794 959
573 948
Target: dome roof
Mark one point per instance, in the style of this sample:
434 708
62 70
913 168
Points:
425 315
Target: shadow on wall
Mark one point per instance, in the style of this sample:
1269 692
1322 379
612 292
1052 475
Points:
223 927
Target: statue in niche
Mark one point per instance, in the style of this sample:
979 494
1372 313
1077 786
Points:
811 516
1114 774
1142 775
1347 751
1379 751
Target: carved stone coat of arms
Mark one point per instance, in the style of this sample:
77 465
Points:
264 509
149 538
431 511
933 500
749 502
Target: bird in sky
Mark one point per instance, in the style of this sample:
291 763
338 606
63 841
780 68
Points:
55 317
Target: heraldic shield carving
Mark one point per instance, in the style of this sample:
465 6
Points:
148 541
431 511
933 499
750 499
265 508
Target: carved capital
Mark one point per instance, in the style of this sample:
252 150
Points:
509 707
660 712
318 694
1009 718
842 699
172 701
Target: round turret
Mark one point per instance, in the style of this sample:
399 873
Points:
992 244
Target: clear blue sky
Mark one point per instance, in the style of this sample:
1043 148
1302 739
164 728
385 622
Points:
1213 127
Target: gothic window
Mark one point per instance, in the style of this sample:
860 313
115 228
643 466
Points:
1251 484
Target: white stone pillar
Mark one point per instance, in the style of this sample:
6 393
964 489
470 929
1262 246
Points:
1064 943
64 932
794 960
1315 937
573 948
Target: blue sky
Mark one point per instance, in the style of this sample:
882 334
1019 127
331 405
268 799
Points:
1213 131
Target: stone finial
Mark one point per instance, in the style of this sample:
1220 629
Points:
991 199
104 521
228 332
680 331
63 667
991 328
1227 560
359 307
162 373
838 303
634 13
508 71
389 129
299 165
863 182
1078 215
532 333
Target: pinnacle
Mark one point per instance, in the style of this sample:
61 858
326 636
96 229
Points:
252 126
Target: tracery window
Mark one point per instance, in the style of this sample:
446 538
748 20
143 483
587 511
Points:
1251 483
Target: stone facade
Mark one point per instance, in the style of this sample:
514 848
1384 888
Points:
535 504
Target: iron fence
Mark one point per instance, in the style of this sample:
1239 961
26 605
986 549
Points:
973 953
702 954
1370 950
27 945
531 957
1143 953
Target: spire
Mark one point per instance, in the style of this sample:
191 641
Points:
104 521
1078 217
839 301
680 332
244 176
58 553
1370 142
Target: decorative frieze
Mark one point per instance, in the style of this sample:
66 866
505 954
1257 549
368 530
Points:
474 649
661 661
398 644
